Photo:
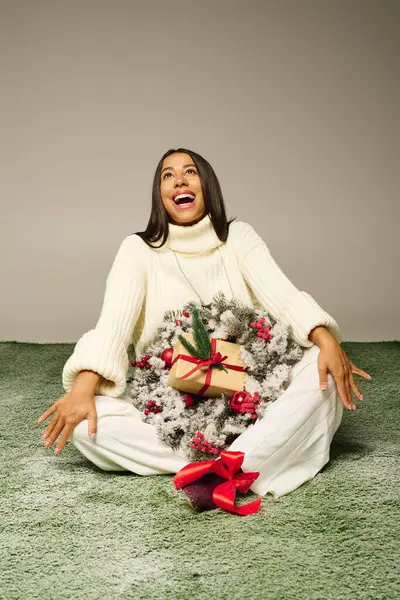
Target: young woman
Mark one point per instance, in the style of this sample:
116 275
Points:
200 253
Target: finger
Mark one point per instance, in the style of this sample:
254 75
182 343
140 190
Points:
92 425
323 378
355 387
47 413
50 427
68 429
340 384
352 406
347 370
364 374
55 433
349 381
358 371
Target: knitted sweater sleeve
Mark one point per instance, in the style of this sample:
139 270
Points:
104 349
275 292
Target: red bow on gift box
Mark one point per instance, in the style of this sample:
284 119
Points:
227 466
216 359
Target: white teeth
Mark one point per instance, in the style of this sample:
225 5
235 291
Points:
183 196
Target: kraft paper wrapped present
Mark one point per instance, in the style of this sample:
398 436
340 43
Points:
200 376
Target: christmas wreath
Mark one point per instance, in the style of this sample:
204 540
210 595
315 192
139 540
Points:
210 372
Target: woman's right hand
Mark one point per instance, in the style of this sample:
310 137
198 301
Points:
69 410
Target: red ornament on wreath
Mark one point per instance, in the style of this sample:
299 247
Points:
166 356
189 400
238 399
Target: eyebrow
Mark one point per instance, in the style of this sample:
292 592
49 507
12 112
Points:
172 168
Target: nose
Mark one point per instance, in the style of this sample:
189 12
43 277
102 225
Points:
179 179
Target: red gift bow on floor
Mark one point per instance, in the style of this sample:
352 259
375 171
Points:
216 358
224 494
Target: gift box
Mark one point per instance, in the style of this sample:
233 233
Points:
200 376
214 483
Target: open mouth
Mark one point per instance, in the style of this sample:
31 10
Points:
184 200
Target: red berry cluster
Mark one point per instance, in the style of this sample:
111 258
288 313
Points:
152 406
201 444
263 331
243 402
142 364
251 405
185 313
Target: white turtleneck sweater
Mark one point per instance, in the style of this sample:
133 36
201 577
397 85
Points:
144 282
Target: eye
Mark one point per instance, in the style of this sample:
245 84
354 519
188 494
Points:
187 171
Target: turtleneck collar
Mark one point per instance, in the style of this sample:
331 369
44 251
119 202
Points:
188 239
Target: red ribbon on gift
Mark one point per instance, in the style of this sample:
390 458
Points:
226 465
216 358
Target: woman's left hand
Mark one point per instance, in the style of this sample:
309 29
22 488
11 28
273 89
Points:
333 359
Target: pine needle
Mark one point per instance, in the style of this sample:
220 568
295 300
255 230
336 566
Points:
200 334
189 347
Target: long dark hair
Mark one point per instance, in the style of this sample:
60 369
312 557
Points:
157 227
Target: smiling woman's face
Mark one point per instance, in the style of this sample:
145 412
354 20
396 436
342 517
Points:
179 175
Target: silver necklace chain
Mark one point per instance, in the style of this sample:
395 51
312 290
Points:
223 262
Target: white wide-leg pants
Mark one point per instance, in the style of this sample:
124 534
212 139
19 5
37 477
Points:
288 446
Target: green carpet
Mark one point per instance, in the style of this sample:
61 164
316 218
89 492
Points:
70 530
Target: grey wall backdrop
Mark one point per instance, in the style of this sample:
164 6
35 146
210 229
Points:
294 103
